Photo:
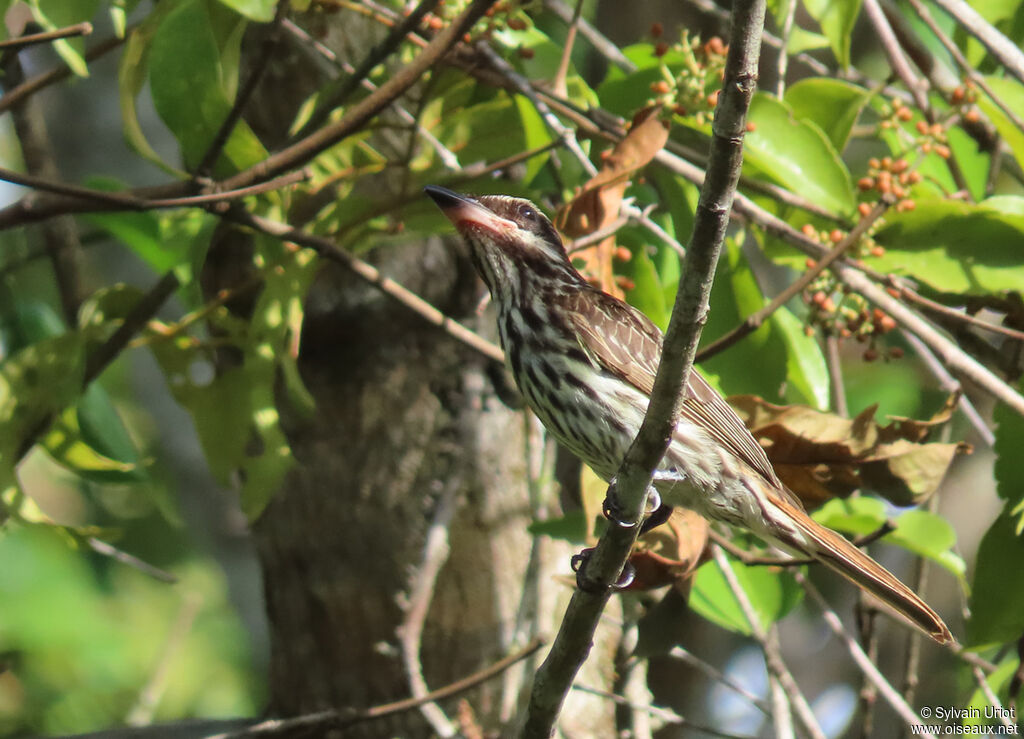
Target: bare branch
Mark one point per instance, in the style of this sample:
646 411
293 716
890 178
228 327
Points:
1002 48
371 274
31 39
885 689
325 720
555 676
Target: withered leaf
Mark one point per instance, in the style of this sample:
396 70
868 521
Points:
821 455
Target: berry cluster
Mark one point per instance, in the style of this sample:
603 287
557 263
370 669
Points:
889 178
694 90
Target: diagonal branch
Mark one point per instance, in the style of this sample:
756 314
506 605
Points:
554 678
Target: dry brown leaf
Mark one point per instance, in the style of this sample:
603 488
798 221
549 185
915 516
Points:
597 204
669 554
821 455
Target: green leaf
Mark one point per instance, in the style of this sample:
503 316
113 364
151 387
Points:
928 535
54 14
36 383
805 364
1011 93
801 40
858 516
832 105
131 78
535 134
571 527
837 19
772 595
957 247
797 155
192 86
624 93
998 683
261 11
997 593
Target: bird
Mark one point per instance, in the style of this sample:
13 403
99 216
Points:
585 362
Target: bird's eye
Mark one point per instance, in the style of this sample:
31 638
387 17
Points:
527 213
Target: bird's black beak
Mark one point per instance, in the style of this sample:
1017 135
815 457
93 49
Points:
446 198
464 211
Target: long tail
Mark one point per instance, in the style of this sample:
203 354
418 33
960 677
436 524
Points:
850 562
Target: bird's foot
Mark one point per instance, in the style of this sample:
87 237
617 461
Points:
655 514
587 585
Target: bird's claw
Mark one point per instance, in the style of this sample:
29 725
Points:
655 514
588 585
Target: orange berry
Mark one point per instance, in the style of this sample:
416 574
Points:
886 162
893 292
819 298
715 46
713 98
913 178
751 126
866 183
958 96
922 128
864 209
886 325
434 23
809 231
937 130
810 263
904 114
877 251
874 163
835 236
900 165
942 150
660 87
906 205
972 116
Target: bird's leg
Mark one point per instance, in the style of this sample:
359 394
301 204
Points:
656 513
584 583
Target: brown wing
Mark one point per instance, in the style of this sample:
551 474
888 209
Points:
627 344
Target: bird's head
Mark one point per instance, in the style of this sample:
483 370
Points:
510 240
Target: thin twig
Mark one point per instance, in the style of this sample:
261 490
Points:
139 199
556 674
964 63
149 698
782 65
754 321
608 49
108 550
19 92
885 689
31 39
375 57
951 385
837 389
665 714
715 674
1002 48
900 65
337 720
256 70
422 580
955 315
371 274
302 151
448 158
772 655
523 86
558 84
